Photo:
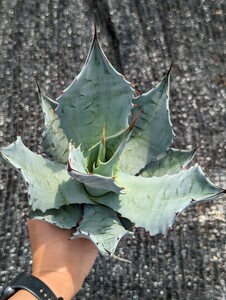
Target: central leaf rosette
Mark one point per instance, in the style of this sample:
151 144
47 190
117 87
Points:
99 169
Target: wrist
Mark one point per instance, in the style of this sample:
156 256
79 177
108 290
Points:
65 274
60 282
27 287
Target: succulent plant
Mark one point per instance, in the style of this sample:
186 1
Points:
111 167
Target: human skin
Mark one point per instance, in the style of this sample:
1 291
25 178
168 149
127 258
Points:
61 263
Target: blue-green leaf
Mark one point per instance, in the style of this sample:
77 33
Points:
49 184
114 145
152 134
101 225
170 163
95 184
153 203
54 141
95 98
66 216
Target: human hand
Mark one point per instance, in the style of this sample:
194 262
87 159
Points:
61 263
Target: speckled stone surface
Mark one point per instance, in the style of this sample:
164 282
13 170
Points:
48 41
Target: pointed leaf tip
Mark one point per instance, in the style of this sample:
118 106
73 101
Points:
38 87
103 137
170 68
95 30
134 120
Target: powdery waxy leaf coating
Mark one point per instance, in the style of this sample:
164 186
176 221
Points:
49 185
66 216
54 139
109 171
153 133
153 203
170 163
95 98
102 226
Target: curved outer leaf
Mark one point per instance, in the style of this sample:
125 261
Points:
152 134
153 203
98 96
49 184
172 162
54 142
102 226
96 185
66 216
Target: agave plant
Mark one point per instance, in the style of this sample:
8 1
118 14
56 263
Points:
110 166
